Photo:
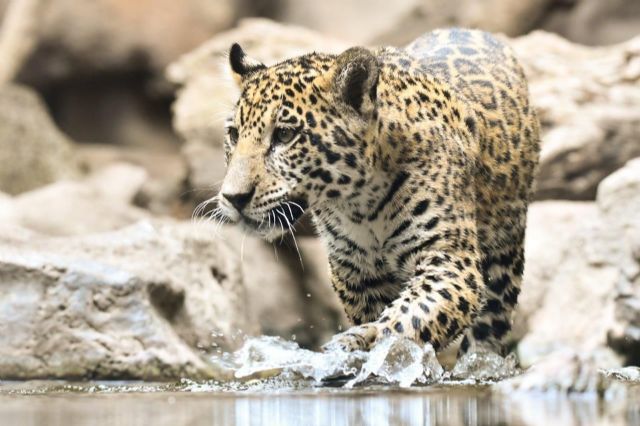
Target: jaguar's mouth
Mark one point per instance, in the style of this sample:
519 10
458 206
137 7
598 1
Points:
275 221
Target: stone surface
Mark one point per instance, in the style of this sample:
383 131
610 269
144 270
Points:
407 19
33 152
98 203
287 298
619 201
582 276
594 22
163 188
579 310
552 227
131 304
588 101
568 298
321 304
102 35
205 169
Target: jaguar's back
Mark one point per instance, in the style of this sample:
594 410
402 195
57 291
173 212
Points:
485 73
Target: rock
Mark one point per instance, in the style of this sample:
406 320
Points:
550 224
566 371
587 101
103 35
619 202
207 92
99 203
348 23
511 17
582 273
594 22
130 304
205 169
7 212
117 108
407 19
161 192
33 152
287 301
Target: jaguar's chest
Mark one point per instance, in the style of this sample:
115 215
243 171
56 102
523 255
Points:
361 252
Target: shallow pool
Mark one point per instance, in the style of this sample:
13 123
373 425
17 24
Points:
54 404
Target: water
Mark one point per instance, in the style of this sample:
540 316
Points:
274 382
432 405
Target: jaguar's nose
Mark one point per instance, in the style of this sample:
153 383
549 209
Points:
240 200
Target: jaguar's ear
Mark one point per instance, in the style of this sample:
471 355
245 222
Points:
241 64
356 79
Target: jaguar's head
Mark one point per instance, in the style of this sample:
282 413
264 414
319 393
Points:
296 137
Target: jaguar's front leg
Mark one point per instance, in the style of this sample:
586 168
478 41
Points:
359 337
435 307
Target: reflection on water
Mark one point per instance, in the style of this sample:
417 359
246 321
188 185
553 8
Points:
442 405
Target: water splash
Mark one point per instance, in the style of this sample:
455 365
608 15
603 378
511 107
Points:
268 356
391 361
485 366
400 361
625 374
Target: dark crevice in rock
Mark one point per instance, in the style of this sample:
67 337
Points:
218 275
166 300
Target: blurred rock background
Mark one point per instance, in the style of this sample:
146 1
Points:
110 134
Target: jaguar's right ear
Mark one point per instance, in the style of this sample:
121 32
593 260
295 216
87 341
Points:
356 78
241 65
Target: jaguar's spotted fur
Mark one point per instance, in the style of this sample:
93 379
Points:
417 166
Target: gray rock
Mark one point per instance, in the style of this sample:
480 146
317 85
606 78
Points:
579 310
132 304
205 169
582 273
407 19
594 22
101 202
567 298
321 304
619 202
587 100
162 189
33 152
80 37
285 299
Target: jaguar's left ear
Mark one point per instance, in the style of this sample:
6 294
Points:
241 65
356 78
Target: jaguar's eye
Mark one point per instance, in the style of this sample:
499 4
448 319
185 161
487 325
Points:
233 135
283 135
